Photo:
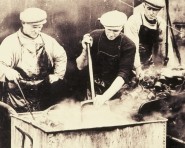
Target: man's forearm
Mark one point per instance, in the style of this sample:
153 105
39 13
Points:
81 61
114 88
3 70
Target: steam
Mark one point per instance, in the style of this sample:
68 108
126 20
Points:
69 114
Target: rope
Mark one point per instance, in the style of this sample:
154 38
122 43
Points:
126 3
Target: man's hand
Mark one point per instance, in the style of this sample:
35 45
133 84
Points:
99 100
10 110
82 59
139 73
53 78
12 75
87 39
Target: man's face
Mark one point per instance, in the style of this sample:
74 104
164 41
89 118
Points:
150 12
112 33
32 30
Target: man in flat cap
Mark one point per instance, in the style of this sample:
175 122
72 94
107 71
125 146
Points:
112 56
148 31
31 62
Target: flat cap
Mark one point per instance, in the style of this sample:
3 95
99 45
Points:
113 19
158 4
33 15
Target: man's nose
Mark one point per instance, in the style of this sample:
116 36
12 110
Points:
37 29
152 11
111 33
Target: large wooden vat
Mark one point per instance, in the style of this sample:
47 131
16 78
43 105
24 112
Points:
147 134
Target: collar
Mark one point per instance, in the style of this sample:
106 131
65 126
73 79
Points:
148 24
150 21
26 35
27 40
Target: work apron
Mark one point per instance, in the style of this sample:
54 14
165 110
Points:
105 65
35 84
108 65
147 38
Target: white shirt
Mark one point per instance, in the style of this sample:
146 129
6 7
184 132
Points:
132 28
12 55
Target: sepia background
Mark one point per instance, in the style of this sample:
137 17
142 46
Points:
69 20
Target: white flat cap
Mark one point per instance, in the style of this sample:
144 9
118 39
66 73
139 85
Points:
33 16
158 4
113 19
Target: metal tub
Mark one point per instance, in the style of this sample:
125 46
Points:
147 134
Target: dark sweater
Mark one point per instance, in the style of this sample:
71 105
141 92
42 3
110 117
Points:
112 58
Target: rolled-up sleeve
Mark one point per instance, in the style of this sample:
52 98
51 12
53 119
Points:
131 30
59 60
7 56
127 57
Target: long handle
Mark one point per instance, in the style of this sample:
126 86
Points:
91 72
26 101
174 43
166 47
